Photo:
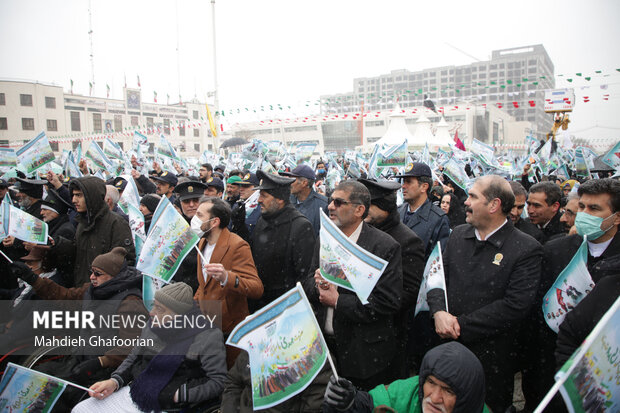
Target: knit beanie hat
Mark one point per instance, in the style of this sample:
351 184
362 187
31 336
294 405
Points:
178 297
111 262
150 201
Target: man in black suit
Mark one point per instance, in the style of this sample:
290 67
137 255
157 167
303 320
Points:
363 338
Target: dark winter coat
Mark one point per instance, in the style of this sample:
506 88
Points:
282 245
365 336
429 223
310 207
530 229
98 231
555 228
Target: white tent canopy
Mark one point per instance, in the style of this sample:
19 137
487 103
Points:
423 133
442 136
397 130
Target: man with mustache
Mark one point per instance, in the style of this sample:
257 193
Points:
451 380
492 274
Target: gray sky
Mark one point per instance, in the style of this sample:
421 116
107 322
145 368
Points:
289 52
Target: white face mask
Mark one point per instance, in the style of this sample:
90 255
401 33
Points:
196 225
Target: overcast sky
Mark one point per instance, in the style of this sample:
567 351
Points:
289 52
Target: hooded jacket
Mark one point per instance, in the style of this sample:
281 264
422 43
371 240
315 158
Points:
451 363
98 231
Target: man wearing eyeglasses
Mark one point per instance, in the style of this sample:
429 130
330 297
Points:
282 240
363 338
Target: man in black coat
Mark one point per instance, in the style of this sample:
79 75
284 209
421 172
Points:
383 215
428 221
362 338
543 208
599 201
492 273
282 240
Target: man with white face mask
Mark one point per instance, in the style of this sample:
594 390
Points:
598 218
227 274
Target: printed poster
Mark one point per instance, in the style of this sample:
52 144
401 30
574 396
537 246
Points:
285 346
434 277
25 227
35 154
25 390
345 264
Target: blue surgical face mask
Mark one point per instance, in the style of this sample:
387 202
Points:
321 171
591 226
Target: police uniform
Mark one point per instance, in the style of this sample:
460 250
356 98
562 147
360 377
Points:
33 188
170 179
429 222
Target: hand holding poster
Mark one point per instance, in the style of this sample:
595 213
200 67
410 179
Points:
434 277
346 264
285 346
169 241
571 286
35 154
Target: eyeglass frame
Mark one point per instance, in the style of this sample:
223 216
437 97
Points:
338 202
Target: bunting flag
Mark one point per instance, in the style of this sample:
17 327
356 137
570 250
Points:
434 277
35 154
107 90
26 390
138 76
346 264
612 157
71 82
590 380
8 157
212 125
571 286
285 347
155 96
169 241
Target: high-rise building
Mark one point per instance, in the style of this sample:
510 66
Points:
514 79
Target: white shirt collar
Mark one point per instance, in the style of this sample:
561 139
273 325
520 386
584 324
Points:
356 234
490 233
596 250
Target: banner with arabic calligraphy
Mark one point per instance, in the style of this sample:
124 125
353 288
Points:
345 263
25 390
285 345
169 241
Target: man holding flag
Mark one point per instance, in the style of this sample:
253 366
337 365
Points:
492 273
598 218
363 338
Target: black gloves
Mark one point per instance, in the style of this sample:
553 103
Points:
83 372
340 394
22 271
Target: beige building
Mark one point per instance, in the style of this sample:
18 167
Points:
27 108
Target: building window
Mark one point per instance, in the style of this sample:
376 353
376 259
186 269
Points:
197 147
3 124
75 144
75 122
97 122
167 126
52 125
196 133
195 114
118 123
182 128
4 143
54 145
25 100
134 121
50 102
2 99
28 123
149 122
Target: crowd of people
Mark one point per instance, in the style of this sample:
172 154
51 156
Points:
504 243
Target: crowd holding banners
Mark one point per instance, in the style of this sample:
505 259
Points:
487 312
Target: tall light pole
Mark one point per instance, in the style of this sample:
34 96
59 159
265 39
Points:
90 37
216 102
